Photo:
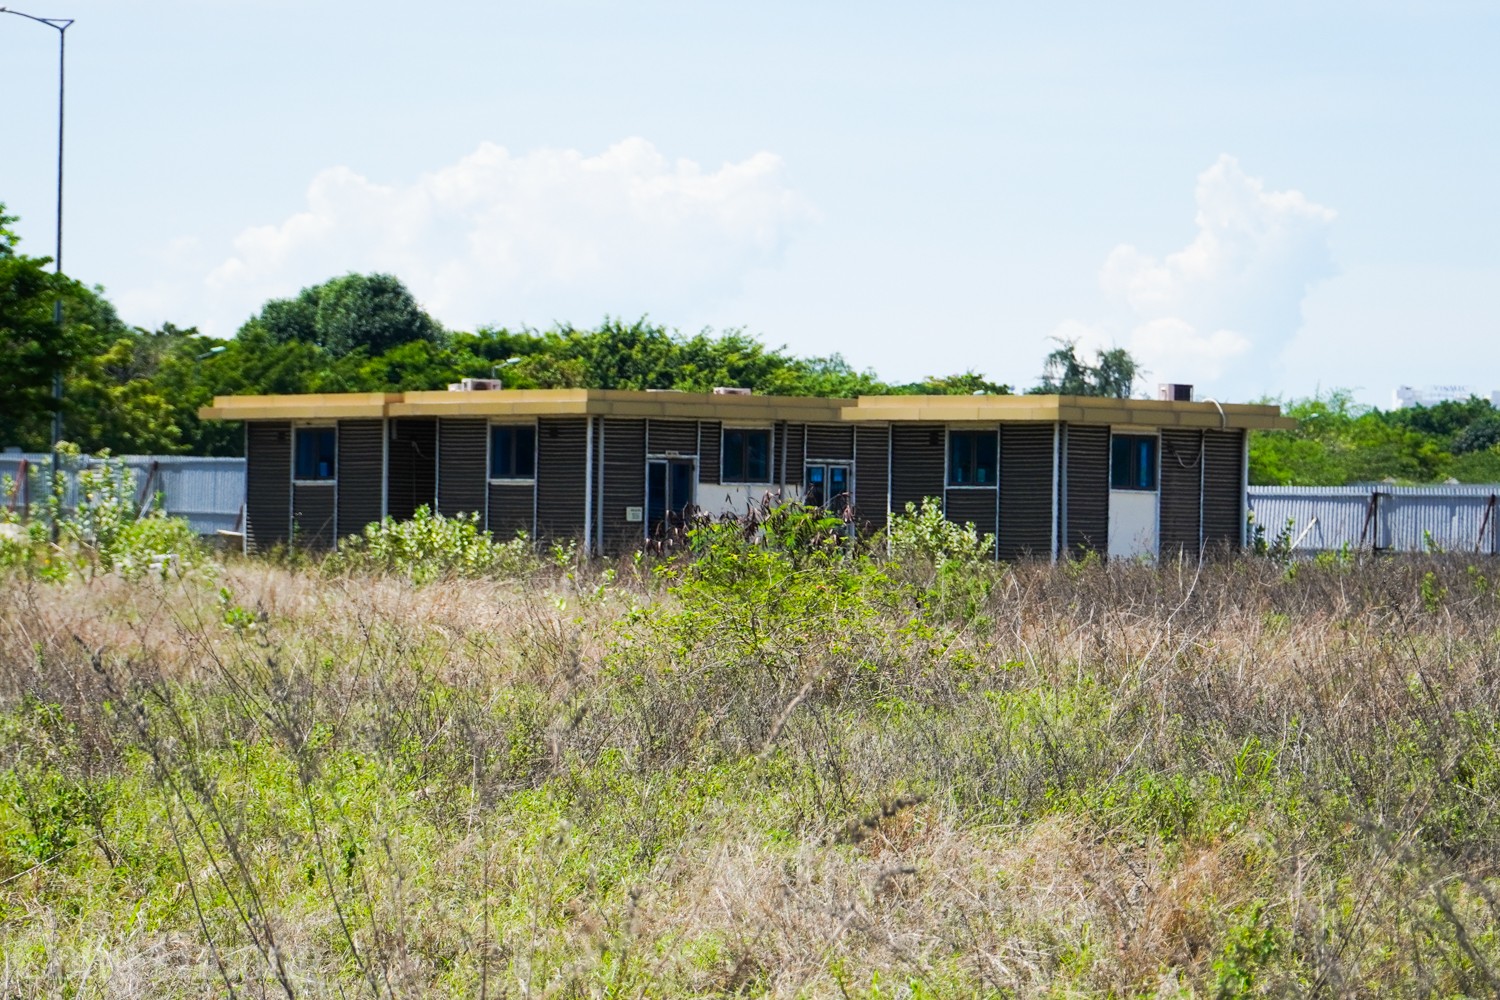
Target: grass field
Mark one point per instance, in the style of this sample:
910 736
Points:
770 770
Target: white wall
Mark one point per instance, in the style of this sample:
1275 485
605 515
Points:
736 498
1132 524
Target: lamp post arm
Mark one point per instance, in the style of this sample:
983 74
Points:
61 26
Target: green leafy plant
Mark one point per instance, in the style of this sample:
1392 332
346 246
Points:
953 563
1432 592
1277 548
103 530
924 534
431 546
1250 946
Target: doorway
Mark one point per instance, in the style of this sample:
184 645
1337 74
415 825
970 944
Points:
669 493
827 486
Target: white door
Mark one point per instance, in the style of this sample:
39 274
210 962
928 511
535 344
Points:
1132 524
1133 478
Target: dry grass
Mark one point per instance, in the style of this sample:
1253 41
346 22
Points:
1227 780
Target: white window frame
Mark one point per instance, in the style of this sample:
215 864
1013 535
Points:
770 430
315 425
489 453
948 458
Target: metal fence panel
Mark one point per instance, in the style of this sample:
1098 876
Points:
207 492
1450 518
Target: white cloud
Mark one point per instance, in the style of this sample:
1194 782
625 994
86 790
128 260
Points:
1227 303
551 234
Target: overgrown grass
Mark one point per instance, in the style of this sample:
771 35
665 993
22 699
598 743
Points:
769 765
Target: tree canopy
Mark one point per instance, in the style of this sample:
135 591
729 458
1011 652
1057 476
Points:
373 312
1337 442
1113 373
33 345
132 390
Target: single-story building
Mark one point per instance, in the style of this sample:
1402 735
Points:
1046 475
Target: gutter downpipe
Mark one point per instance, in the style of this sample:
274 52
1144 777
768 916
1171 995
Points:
1056 486
588 491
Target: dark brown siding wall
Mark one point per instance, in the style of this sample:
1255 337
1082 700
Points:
973 504
463 464
917 452
680 436
511 506
361 456
1181 458
710 441
312 516
625 482
1087 472
1223 489
871 465
824 441
791 439
562 443
413 468
1026 491
268 485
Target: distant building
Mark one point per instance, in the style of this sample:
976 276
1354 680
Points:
1046 475
1431 395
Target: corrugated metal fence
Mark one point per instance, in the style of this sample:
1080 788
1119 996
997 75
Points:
1381 517
207 492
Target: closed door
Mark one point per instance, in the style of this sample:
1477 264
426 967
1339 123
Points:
669 493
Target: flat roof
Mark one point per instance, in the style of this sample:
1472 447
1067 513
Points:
709 406
1070 409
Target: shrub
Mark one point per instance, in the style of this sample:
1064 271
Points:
103 531
430 547
925 535
953 563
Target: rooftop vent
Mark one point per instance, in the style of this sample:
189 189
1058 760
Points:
1174 392
730 390
475 384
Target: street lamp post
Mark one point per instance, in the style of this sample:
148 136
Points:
61 26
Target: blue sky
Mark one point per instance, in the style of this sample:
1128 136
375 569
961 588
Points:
1265 198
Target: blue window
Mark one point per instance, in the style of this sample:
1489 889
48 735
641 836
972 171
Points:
315 453
746 457
1132 462
972 457
513 451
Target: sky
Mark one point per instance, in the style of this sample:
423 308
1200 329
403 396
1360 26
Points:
1272 199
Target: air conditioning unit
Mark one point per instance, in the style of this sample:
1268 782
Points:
475 385
730 390
1174 392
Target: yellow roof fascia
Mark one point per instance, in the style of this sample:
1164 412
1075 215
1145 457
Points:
303 406
1094 410
711 406
492 403
618 403
530 403
954 409
750 408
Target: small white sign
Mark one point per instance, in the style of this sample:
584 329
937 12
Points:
634 514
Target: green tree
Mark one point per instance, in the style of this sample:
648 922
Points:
32 345
1338 442
1481 435
1113 373
373 312
1445 420
825 376
969 383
